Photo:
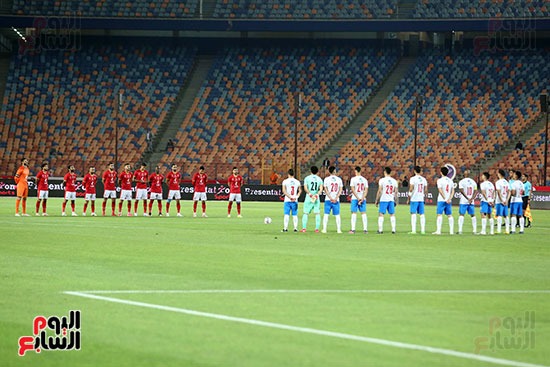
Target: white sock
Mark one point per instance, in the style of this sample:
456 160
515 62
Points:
338 223
499 224
460 223
521 224
438 223
392 221
413 223
325 222
507 224
364 217
295 221
380 224
514 222
422 223
474 224
353 221
492 225
483 225
451 225
285 221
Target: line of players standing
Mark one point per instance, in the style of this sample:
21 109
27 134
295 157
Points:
501 197
144 183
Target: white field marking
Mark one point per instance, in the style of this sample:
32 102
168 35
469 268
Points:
382 291
273 325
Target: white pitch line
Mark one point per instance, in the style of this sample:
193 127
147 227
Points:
273 325
382 291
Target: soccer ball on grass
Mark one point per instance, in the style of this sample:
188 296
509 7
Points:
267 220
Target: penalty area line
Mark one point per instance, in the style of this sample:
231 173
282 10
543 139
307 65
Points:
273 325
298 291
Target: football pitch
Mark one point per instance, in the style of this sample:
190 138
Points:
218 291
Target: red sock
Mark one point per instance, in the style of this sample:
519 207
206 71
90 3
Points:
145 206
135 206
64 205
160 206
120 206
38 206
113 205
204 206
178 206
103 206
194 207
93 206
150 205
85 207
72 205
44 206
239 208
229 207
167 207
129 206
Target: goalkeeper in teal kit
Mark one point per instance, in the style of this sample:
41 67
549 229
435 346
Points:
313 186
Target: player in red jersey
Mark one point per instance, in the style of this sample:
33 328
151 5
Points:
156 180
109 188
21 180
42 183
89 183
235 182
173 179
140 177
125 179
70 191
199 184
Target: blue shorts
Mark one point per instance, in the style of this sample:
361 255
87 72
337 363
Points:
358 208
516 209
388 206
291 206
485 208
335 207
417 207
502 210
466 208
444 208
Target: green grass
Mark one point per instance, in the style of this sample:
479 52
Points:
43 256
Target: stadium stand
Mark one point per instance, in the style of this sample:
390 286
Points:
481 8
107 8
311 9
245 109
473 105
61 106
529 160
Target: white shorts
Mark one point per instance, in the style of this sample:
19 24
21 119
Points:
174 194
156 196
43 194
89 197
199 196
125 194
141 194
109 194
70 195
235 197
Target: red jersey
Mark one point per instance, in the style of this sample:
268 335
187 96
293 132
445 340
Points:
156 183
89 183
141 179
235 183
42 180
199 182
109 180
125 180
70 182
173 180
